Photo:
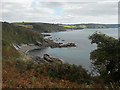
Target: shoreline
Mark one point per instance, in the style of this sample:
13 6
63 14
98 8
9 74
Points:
25 49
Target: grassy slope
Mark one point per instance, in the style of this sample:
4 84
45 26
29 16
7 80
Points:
68 26
19 35
42 27
14 34
74 26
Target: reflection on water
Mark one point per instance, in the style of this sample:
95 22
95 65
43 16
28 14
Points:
75 55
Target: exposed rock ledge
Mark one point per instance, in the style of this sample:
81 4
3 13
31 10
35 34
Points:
48 59
60 45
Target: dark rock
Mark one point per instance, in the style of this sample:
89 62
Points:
53 44
68 45
60 43
38 43
51 59
63 45
46 35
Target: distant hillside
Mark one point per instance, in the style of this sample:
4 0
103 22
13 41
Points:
82 26
48 27
15 34
112 25
95 26
73 26
42 27
98 25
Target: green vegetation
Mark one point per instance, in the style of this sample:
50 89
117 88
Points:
92 25
32 75
42 27
83 26
97 25
106 58
69 26
19 22
19 35
8 51
74 26
26 26
69 72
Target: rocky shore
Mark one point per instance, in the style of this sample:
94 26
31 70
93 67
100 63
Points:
25 48
48 59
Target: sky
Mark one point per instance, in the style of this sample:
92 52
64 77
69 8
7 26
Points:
60 11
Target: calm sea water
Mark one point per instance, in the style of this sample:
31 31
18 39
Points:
79 55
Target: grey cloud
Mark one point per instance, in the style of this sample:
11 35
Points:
73 12
92 9
52 4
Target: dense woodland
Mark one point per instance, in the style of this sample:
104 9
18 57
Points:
20 74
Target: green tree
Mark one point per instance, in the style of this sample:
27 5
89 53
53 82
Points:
106 58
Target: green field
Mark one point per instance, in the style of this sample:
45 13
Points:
69 26
73 26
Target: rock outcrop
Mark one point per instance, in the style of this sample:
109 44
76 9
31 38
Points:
38 43
50 59
46 35
61 45
47 59
68 45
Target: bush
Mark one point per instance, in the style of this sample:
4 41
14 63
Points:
65 71
106 58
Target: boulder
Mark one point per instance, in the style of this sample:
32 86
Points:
50 59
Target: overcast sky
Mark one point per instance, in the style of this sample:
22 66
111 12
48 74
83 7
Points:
60 11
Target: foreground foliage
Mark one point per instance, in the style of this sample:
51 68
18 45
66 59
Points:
106 58
30 75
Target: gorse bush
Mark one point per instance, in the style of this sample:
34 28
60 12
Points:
27 71
15 77
66 71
